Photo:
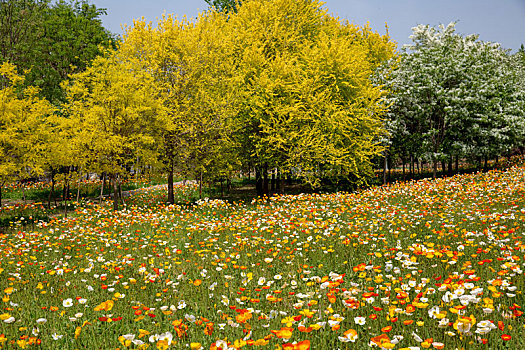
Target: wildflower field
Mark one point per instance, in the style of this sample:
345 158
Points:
430 264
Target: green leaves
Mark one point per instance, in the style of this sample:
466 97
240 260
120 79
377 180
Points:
225 5
51 40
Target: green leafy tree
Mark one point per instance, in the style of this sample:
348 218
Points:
51 40
225 5
74 36
20 31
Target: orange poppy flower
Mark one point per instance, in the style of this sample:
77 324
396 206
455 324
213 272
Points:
243 317
284 332
305 329
401 295
209 328
197 283
383 338
302 345
410 308
386 329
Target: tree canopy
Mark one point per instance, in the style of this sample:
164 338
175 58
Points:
279 84
24 127
50 40
225 5
276 86
308 102
115 114
454 96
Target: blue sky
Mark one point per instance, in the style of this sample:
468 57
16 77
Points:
500 21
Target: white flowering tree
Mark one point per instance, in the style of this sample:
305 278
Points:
454 96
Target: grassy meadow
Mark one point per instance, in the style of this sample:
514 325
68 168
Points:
432 264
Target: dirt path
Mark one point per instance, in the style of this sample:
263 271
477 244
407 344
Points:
155 187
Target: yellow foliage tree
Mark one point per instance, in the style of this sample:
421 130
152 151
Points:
24 127
115 115
193 65
308 103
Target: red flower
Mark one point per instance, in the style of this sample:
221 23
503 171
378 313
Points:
506 337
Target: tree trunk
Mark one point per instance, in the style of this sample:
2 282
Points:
274 184
390 169
64 201
486 164
64 189
403 161
418 167
457 164
385 167
78 185
171 194
121 198
200 185
450 166
434 168
115 192
52 192
265 181
102 188
411 166
281 186
258 182
443 168
277 180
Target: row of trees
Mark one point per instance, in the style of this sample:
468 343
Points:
276 86
41 44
